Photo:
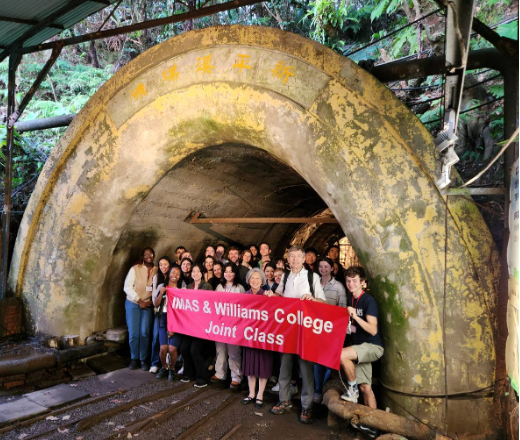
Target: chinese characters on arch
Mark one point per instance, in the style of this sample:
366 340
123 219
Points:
205 65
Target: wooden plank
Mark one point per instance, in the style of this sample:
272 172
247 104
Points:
190 432
96 418
196 219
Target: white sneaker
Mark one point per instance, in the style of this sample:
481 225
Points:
294 390
154 369
181 371
351 395
276 388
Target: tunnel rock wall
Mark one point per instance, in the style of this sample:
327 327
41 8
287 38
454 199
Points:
228 180
431 258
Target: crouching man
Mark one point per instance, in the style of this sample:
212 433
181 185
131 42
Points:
367 346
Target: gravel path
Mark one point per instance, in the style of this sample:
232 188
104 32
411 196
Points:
256 423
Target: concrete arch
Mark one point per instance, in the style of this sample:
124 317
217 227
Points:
432 261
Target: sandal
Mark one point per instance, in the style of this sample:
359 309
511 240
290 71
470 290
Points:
259 403
248 400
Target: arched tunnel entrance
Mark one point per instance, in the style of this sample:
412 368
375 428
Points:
226 181
133 158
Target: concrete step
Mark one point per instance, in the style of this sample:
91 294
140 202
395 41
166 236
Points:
39 402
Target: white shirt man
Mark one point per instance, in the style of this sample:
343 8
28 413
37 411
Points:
297 286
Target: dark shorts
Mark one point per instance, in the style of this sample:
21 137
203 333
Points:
174 341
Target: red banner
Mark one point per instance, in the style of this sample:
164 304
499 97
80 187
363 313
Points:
315 331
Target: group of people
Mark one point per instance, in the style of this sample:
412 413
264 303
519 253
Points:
252 271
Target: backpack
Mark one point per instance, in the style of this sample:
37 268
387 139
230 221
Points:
310 277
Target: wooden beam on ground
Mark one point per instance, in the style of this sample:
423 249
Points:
98 417
192 430
375 418
232 432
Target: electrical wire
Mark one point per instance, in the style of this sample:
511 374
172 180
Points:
393 32
408 89
407 57
413 104
469 109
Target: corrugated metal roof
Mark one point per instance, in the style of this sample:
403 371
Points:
36 11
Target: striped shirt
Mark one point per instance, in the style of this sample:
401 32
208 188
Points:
335 293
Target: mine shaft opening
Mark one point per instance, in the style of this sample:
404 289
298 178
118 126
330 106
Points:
230 181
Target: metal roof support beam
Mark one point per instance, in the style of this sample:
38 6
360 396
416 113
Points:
459 18
14 60
29 22
46 22
505 45
12 116
403 70
177 18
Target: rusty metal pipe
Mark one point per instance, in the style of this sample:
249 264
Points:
44 123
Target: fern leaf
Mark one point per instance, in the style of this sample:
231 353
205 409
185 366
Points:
379 10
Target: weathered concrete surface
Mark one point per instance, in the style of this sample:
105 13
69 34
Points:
56 396
19 409
433 264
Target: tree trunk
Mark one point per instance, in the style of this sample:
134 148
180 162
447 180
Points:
144 33
188 24
214 17
93 55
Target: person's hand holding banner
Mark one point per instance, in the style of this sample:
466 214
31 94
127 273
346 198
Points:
315 331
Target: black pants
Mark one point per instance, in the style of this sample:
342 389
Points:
193 350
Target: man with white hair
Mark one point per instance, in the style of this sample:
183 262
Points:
304 285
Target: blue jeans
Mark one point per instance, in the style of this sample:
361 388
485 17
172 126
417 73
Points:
155 342
139 322
321 374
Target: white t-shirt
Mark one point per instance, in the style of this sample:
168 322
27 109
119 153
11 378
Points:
298 285
156 293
